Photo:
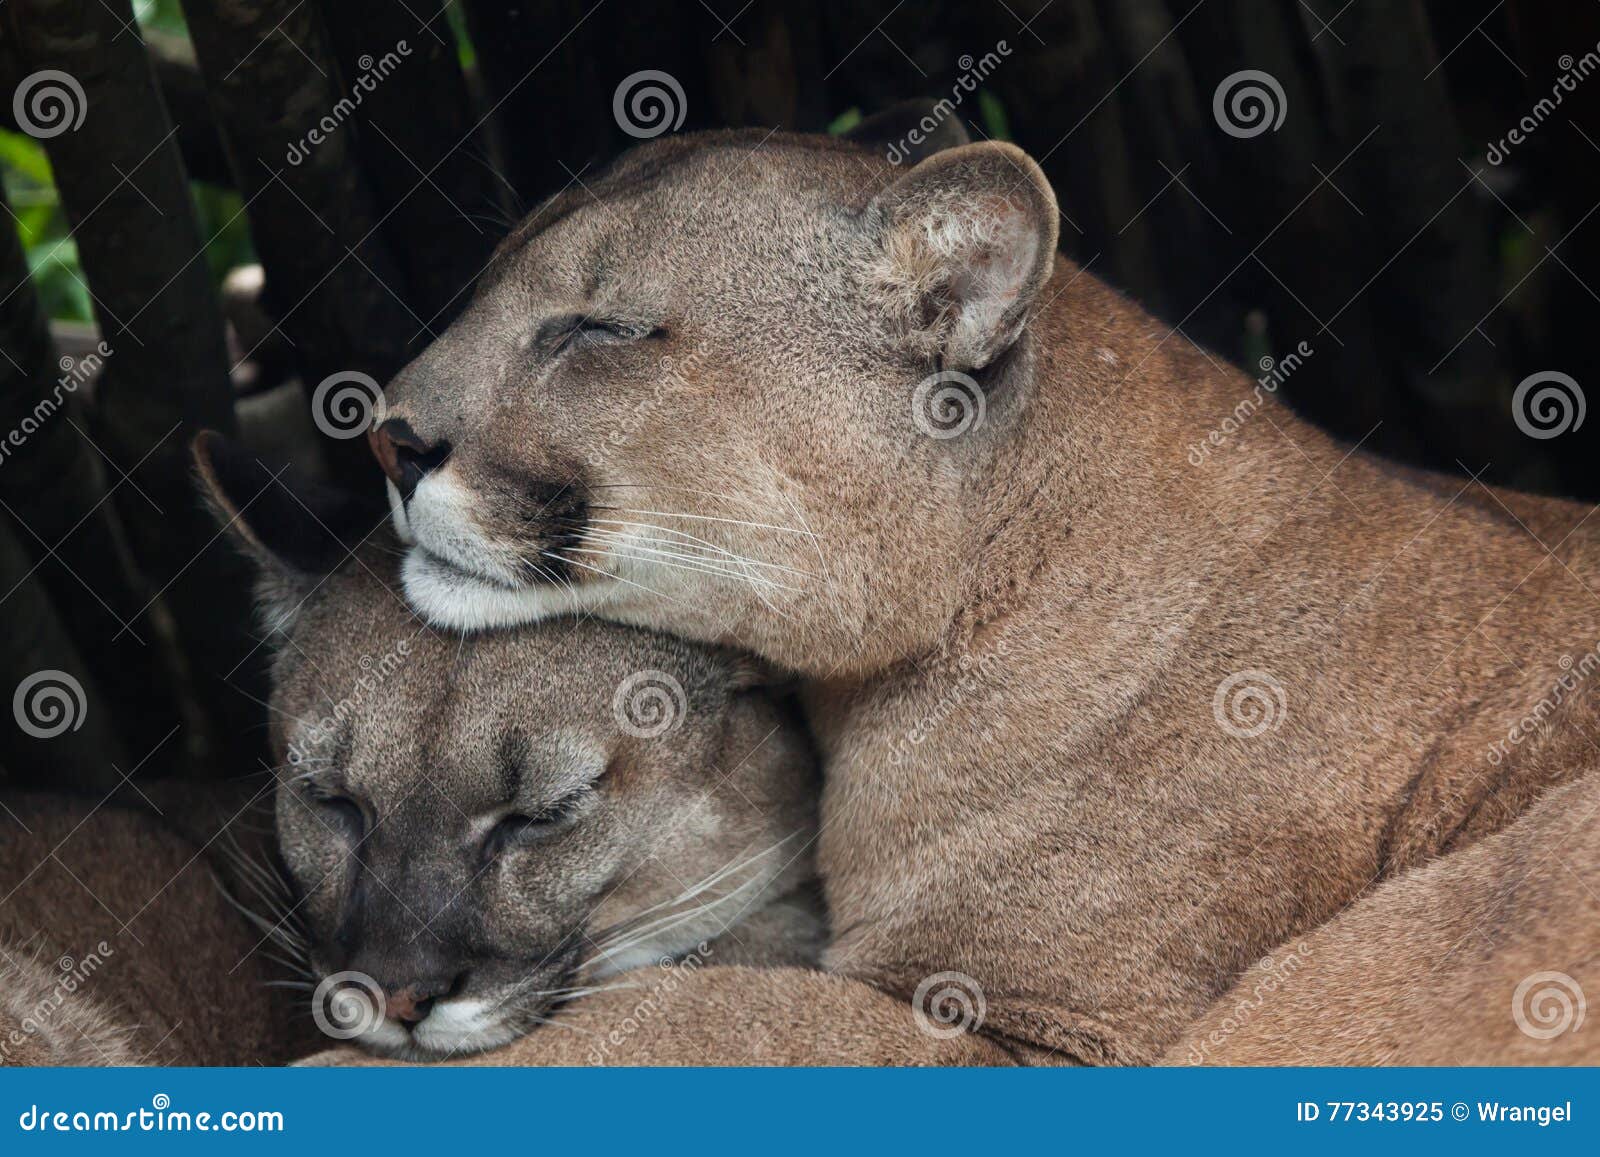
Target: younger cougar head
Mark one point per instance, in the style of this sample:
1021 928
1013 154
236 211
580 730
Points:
482 826
743 387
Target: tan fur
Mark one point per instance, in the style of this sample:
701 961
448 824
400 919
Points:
730 1017
706 830
1490 955
118 947
1011 640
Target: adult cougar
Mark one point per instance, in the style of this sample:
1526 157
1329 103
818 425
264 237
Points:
483 829
1099 727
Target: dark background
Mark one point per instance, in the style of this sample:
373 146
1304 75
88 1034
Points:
1428 273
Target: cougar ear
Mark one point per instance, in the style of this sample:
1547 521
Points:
910 131
966 240
297 531
748 673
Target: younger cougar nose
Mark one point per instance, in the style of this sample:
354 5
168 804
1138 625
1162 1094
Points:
403 454
413 1003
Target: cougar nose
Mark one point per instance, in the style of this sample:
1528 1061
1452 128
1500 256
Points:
411 1004
405 457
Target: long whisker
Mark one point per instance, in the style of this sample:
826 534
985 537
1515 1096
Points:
716 518
692 543
681 562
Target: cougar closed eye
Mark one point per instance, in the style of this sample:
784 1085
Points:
520 829
560 333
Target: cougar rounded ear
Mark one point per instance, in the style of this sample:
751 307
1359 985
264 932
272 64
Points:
295 530
965 242
749 673
911 131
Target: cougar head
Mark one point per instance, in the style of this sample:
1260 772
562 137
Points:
481 827
738 386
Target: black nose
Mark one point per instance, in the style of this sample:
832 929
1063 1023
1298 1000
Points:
404 455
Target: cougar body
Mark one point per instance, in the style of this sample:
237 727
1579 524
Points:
119 947
1103 717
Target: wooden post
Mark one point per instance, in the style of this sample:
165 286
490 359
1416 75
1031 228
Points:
421 149
52 488
332 285
55 728
126 195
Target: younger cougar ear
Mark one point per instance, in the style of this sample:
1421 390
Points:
910 131
297 531
966 241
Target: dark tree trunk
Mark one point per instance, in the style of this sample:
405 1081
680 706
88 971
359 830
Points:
333 286
126 195
52 488
56 731
418 139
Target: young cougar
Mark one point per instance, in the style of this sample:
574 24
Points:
483 828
